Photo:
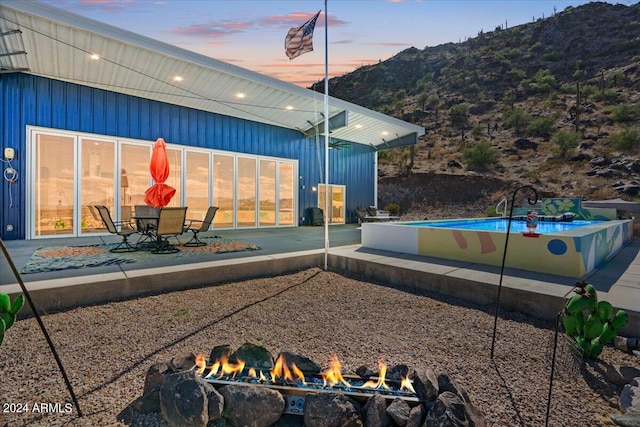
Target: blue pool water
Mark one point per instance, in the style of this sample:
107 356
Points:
500 224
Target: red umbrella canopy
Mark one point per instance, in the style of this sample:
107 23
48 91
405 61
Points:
159 194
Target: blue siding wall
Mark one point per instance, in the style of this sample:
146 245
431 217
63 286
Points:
29 100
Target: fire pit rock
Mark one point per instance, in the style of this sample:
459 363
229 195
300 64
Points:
187 401
251 406
330 410
185 397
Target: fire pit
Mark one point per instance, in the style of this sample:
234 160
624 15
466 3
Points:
250 387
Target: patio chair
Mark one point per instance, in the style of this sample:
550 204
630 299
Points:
363 215
196 226
170 224
119 228
144 223
380 215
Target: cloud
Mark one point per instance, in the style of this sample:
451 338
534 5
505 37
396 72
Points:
213 30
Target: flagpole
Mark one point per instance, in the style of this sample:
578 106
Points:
326 137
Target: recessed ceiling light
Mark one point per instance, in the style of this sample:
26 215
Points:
240 95
358 126
178 79
385 133
289 107
95 56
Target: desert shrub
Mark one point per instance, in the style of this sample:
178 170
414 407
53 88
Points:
626 140
609 95
541 125
543 81
515 118
624 113
458 114
393 208
564 142
517 73
481 156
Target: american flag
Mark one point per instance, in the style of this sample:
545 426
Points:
300 40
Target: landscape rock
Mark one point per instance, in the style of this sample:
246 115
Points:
425 383
399 411
375 412
183 362
621 375
150 399
246 405
448 411
416 416
600 161
253 356
302 362
331 410
629 419
184 400
220 352
630 396
473 414
525 144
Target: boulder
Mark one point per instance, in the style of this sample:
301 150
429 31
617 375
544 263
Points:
621 375
331 410
302 362
525 144
220 352
184 400
399 411
629 419
416 416
246 405
425 383
254 356
630 396
375 412
448 411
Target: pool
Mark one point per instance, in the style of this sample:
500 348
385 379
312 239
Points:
572 249
501 224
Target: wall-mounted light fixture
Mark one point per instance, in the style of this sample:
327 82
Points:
314 189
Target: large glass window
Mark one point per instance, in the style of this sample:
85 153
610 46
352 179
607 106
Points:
54 184
197 184
286 195
175 176
246 192
135 177
336 202
223 190
97 182
267 193
72 173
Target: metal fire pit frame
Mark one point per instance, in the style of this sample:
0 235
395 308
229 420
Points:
294 393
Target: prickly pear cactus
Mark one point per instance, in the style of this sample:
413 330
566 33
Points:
591 322
8 312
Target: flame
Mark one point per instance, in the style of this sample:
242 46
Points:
223 366
406 384
382 372
201 364
282 370
252 373
333 375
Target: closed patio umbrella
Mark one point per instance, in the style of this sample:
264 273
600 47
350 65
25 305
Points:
159 194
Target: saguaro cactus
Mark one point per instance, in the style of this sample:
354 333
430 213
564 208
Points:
591 322
8 312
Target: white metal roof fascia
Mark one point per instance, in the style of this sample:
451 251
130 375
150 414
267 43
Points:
364 126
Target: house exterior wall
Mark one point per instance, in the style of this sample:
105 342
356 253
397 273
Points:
27 100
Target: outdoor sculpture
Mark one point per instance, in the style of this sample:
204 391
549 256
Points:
596 327
8 312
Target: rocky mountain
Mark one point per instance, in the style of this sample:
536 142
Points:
553 103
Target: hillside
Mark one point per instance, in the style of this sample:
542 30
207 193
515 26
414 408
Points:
553 103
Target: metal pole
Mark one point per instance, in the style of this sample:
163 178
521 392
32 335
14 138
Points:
326 137
41 324
504 257
553 367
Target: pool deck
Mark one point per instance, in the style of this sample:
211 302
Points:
291 249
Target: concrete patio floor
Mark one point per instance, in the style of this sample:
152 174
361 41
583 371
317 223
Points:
290 249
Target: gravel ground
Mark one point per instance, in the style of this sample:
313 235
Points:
107 349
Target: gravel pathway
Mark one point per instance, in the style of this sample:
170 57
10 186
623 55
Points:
107 349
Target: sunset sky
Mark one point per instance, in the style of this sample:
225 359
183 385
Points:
250 33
